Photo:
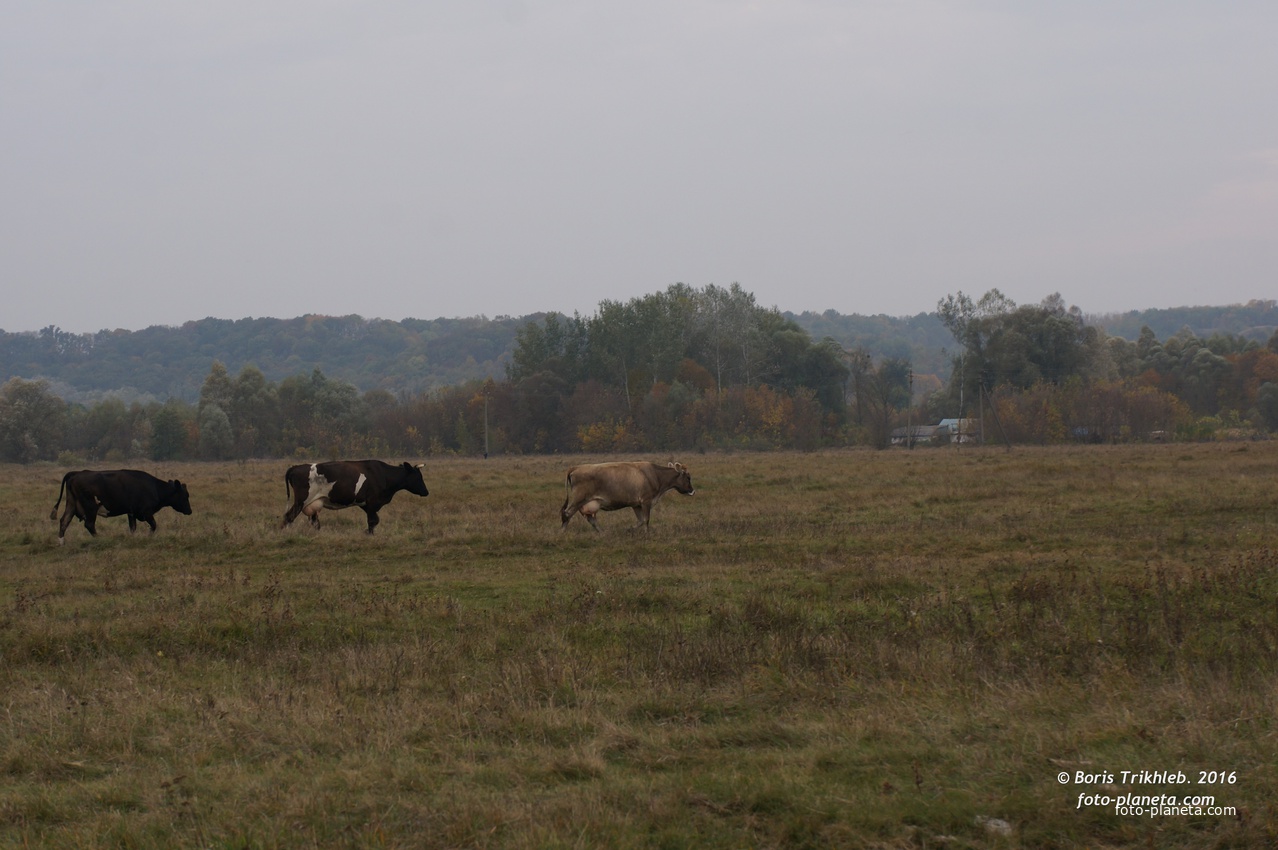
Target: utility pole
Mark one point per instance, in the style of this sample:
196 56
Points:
485 423
909 413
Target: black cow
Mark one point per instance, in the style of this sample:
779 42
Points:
112 492
367 484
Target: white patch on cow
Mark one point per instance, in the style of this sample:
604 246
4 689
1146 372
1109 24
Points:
317 489
359 484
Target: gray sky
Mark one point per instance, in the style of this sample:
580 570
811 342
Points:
171 161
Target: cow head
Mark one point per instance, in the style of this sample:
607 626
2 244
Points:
683 483
413 481
179 498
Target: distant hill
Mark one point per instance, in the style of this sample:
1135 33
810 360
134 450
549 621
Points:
921 339
418 355
406 357
1256 320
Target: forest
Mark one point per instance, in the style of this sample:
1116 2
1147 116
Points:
684 369
162 363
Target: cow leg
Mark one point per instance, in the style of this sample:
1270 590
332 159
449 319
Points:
588 510
642 513
89 513
291 514
567 512
149 520
67 515
133 523
373 519
570 510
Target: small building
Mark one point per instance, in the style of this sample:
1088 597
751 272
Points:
959 430
918 435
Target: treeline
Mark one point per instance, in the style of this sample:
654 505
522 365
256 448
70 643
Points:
921 340
1050 377
683 369
406 357
693 369
1256 320
409 356
413 356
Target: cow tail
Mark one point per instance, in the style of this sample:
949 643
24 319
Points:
53 514
567 493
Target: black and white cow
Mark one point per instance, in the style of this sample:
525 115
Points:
367 484
113 492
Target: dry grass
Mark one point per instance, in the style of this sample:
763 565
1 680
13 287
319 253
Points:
841 649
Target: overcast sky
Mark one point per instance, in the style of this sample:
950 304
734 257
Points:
167 161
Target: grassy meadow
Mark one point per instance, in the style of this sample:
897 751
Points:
840 649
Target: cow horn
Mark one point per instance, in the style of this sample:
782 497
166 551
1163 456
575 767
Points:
418 465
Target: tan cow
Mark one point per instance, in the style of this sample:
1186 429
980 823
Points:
595 487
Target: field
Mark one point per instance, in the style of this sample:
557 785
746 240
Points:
841 649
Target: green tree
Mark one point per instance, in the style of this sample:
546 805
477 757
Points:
217 388
557 345
171 427
1267 405
32 421
323 415
217 440
966 320
859 365
254 413
1003 345
105 430
818 369
567 374
888 393
723 319
736 336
